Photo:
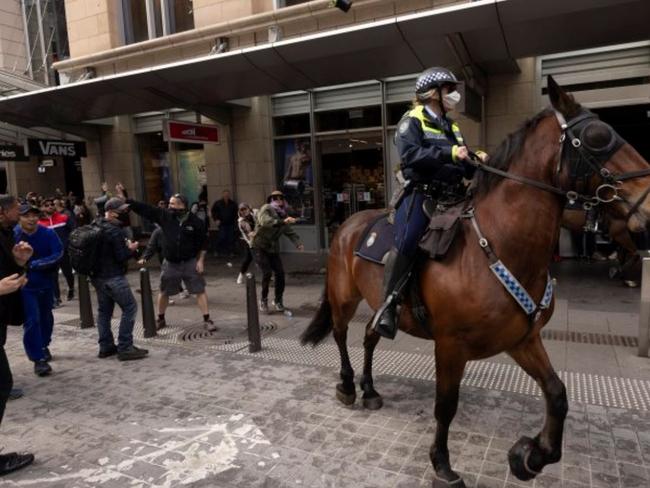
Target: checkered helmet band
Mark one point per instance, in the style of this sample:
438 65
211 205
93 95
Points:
434 77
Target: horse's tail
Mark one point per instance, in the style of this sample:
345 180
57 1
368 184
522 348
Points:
321 325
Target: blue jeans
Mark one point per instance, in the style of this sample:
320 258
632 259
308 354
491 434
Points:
39 322
410 223
109 292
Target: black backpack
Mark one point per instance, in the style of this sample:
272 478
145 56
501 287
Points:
83 247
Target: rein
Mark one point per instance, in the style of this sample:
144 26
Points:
610 180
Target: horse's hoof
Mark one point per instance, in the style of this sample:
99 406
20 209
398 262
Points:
526 459
441 483
345 397
373 402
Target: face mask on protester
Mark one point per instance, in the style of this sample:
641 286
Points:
451 99
278 205
123 217
178 212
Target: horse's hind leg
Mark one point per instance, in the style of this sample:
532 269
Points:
450 364
371 399
528 456
345 391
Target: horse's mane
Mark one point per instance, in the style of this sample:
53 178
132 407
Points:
506 151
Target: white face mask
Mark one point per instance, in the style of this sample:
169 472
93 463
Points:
451 99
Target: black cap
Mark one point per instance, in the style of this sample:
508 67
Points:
116 205
26 208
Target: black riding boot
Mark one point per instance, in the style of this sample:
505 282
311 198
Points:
395 272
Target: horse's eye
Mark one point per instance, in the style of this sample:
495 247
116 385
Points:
598 137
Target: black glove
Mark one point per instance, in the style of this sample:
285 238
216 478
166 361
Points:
452 174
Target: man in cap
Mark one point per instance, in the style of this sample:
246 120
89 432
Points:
272 222
114 252
38 293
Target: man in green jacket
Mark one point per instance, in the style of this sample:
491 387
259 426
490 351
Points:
271 223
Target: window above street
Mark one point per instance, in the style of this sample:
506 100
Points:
148 19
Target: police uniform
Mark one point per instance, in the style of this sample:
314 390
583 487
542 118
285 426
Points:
428 145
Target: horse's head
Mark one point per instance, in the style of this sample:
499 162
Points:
598 163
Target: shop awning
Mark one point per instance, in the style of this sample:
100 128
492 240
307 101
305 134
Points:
494 33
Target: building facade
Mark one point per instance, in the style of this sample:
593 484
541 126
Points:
329 147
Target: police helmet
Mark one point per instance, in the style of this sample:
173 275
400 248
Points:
433 78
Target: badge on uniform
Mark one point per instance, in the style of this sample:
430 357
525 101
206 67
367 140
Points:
371 239
403 127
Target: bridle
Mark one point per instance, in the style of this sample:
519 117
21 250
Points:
589 161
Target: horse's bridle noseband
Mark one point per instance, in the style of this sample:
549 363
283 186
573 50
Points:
589 161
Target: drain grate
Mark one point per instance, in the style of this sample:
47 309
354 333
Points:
589 338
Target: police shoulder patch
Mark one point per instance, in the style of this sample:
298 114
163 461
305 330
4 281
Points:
404 126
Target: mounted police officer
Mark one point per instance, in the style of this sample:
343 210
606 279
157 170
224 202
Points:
432 151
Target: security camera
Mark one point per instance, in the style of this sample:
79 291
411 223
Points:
343 5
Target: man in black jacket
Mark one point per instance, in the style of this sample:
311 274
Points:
184 246
111 284
13 258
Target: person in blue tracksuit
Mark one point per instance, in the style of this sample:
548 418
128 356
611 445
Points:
432 150
38 293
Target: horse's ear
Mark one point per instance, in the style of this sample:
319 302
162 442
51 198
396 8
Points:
561 100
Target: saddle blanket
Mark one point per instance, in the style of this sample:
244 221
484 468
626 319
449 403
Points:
436 241
377 240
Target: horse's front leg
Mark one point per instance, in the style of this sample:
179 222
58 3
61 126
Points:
528 456
450 364
371 399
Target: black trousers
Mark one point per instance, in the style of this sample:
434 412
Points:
6 380
66 267
270 263
248 258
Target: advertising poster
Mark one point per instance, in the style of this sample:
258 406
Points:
294 171
191 165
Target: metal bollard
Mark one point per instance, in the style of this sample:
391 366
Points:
85 305
148 317
644 313
254 337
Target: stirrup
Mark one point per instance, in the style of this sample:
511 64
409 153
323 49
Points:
377 327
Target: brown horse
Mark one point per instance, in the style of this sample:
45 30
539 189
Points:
470 314
629 262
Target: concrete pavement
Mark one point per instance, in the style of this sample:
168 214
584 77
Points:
202 411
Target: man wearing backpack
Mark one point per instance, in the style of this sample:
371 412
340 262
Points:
113 252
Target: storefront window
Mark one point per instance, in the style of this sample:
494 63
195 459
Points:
291 124
395 111
135 21
182 15
35 48
354 118
156 169
353 177
294 172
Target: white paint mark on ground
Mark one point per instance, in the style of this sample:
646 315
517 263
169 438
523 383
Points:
210 450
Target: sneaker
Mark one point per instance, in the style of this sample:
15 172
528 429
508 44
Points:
240 279
209 325
70 294
277 306
160 323
171 301
47 354
41 368
264 306
107 353
16 393
146 351
13 461
185 294
132 354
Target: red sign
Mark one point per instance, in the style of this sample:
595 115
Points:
186 132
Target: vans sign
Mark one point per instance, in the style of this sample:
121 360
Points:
12 152
46 147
